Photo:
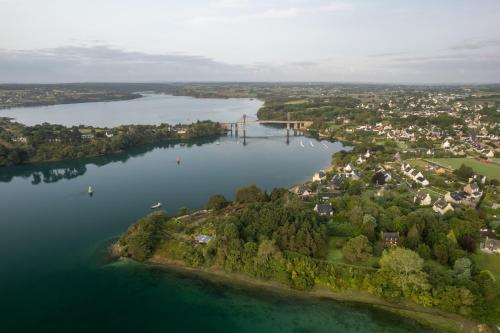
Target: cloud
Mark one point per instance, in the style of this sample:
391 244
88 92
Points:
474 44
107 64
269 14
104 63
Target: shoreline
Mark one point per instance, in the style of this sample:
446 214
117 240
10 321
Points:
435 319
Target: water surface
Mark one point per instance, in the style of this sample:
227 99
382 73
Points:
53 235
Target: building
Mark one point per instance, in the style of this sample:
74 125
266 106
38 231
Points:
319 176
390 239
203 239
323 209
442 207
337 182
302 191
422 198
490 245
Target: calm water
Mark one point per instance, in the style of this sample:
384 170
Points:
52 234
149 110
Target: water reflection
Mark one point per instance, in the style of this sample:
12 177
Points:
52 172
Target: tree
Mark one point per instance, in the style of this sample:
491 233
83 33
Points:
403 268
461 268
357 249
217 202
249 194
464 172
468 243
356 187
182 211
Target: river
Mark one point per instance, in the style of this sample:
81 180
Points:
52 234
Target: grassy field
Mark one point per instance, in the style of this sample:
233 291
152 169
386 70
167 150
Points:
489 170
490 262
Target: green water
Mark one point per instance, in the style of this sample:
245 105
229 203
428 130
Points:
53 277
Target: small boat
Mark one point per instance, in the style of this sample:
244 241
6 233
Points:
217 143
311 143
158 205
178 160
302 144
90 191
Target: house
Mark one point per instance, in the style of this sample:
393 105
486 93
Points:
422 198
381 177
203 239
302 191
360 160
348 168
390 239
490 154
446 144
490 245
109 135
479 178
456 197
354 175
319 176
323 209
337 182
442 207
471 188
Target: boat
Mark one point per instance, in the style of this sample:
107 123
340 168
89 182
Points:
158 205
311 143
217 143
178 160
302 144
91 191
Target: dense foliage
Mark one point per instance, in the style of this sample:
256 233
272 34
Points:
48 142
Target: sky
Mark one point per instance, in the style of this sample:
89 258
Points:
383 41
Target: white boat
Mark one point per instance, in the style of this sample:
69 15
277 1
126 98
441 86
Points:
302 144
91 191
158 205
217 143
311 143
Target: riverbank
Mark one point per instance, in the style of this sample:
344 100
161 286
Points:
431 318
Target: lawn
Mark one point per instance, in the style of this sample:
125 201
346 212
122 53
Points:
489 170
490 262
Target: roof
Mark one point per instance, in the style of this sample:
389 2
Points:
390 235
441 204
323 209
203 239
422 195
492 243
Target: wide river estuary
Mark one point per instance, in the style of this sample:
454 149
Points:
53 276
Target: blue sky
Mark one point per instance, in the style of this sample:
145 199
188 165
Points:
244 40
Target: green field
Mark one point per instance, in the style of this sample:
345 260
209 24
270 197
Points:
489 170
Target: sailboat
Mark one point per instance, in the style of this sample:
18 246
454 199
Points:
302 144
158 205
311 143
90 191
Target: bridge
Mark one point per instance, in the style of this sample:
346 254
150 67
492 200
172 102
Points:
241 124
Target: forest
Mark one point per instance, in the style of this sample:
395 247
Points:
47 142
276 236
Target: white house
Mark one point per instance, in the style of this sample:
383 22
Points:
319 176
442 207
422 198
